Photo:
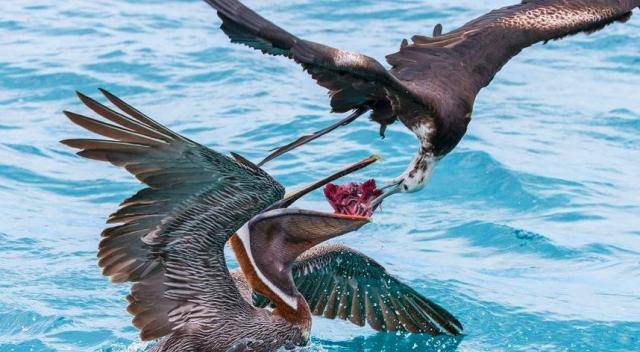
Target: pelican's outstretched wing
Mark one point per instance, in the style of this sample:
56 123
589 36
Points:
170 236
355 81
462 62
340 282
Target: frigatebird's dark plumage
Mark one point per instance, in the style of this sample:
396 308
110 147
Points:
433 81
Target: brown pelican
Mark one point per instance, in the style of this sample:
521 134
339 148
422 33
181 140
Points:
433 81
169 242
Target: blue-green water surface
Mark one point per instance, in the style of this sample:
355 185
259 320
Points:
529 231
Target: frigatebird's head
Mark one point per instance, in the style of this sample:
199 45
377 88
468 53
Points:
437 136
413 179
419 171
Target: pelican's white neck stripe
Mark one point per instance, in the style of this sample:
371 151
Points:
245 239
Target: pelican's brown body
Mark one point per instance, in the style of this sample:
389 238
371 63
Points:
169 242
254 329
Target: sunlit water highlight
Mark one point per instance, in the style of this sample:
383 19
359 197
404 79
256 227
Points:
529 231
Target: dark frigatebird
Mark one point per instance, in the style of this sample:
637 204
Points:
433 81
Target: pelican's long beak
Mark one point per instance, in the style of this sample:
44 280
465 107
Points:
291 197
387 190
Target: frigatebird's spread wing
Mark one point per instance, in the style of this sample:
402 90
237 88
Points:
462 62
339 282
355 81
352 79
170 236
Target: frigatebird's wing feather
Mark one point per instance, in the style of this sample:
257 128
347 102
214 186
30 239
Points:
354 80
170 236
462 62
339 282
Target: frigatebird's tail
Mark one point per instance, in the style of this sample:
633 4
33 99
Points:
292 197
311 137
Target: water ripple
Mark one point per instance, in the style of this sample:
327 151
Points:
528 232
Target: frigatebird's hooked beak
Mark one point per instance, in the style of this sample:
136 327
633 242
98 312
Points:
291 197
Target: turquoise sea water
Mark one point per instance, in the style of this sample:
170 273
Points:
529 231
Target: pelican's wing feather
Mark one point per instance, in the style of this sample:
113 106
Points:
339 282
169 237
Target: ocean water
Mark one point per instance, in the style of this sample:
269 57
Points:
529 231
